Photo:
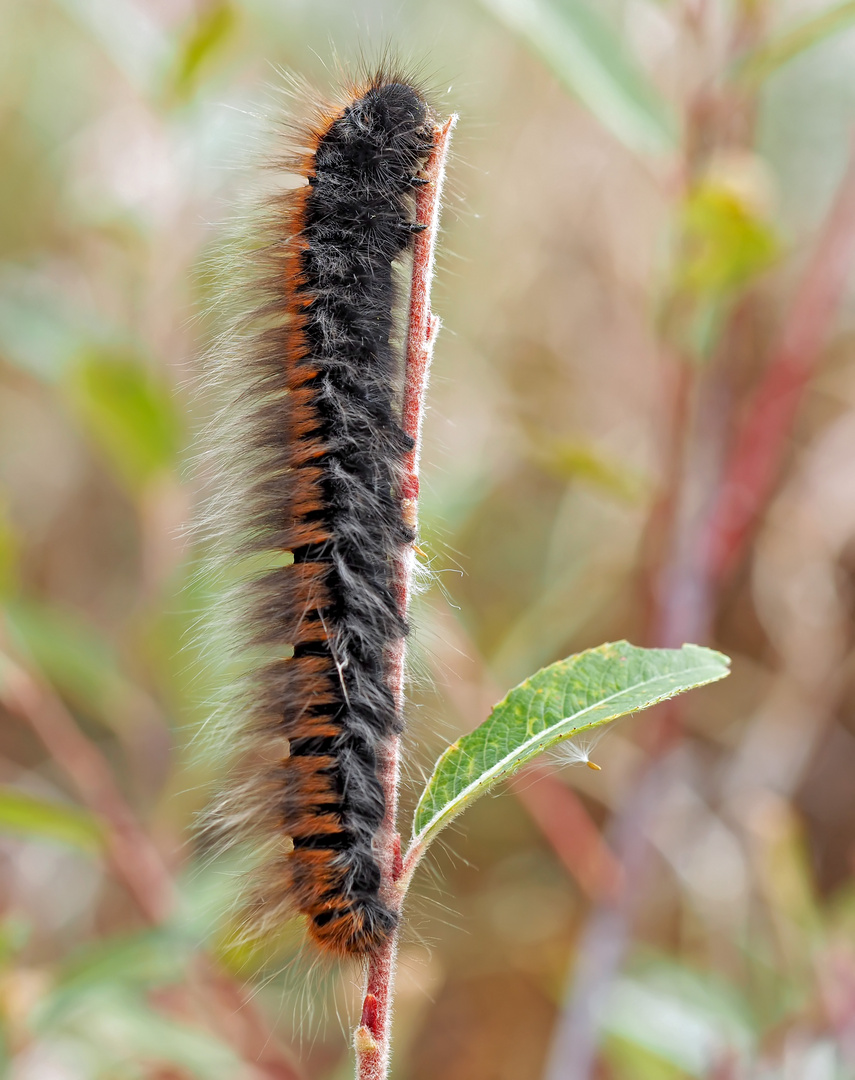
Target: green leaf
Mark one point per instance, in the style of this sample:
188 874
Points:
592 61
143 961
43 332
37 332
113 1026
562 700
9 554
210 32
15 932
781 49
690 1019
727 243
100 995
574 460
29 816
72 656
128 413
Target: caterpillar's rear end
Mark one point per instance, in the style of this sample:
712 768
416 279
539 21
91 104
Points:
319 457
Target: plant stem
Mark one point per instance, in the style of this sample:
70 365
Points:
715 119
755 461
134 857
371 1039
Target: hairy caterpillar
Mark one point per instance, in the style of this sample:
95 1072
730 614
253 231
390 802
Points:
320 458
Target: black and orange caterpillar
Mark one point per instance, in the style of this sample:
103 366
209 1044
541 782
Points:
320 463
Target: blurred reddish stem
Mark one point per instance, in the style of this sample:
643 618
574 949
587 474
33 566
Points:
606 936
372 1037
761 444
135 859
573 835
245 1028
680 590
660 525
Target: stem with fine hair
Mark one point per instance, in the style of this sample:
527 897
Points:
371 1039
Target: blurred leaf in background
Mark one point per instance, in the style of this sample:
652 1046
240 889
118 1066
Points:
784 46
573 460
727 244
25 815
9 554
636 185
73 656
129 413
590 57
209 33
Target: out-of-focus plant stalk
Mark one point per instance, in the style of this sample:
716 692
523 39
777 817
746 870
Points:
755 459
713 119
134 857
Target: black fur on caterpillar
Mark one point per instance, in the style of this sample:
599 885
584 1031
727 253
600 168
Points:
318 464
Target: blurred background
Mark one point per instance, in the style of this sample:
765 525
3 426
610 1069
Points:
642 425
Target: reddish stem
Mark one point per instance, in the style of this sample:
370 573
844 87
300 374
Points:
134 857
371 1039
760 446
573 835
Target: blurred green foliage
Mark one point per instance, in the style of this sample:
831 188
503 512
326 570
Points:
637 186
131 418
589 55
785 46
73 656
213 30
726 246
25 815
